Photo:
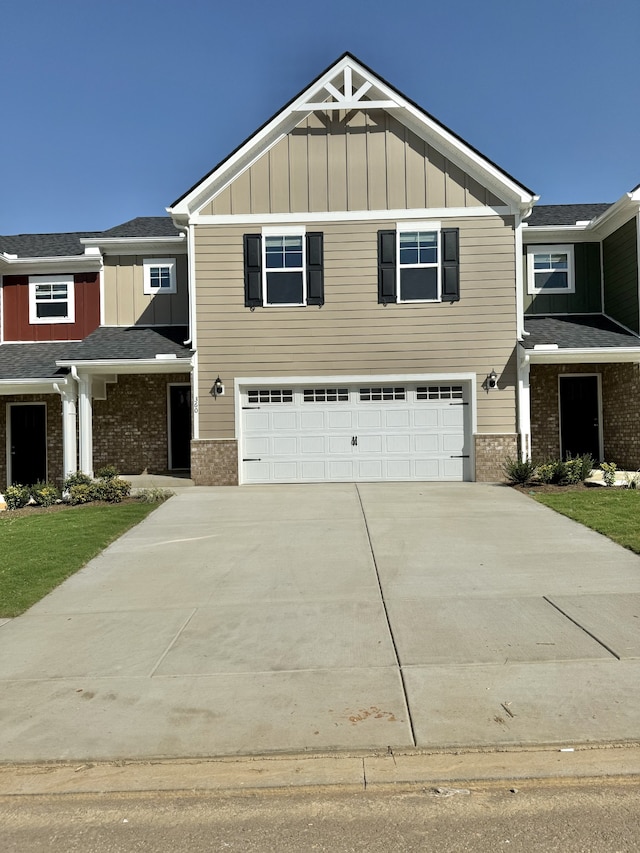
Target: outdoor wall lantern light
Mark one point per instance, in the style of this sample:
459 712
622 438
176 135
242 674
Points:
217 389
492 381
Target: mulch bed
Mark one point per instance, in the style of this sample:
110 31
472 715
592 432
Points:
39 510
547 488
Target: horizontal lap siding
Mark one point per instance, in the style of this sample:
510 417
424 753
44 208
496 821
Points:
351 333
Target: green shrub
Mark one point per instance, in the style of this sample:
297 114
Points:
153 496
519 472
45 494
632 481
77 479
107 472
81 493
608 472
16 496
111 489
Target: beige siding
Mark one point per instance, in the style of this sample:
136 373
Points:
352 333
125 302
353 161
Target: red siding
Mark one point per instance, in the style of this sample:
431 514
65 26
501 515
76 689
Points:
16 311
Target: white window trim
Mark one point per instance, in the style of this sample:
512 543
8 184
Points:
403 227
564 248
170 264
284 231
71 300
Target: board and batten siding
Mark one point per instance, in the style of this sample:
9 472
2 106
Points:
126 304
620 264
587 298
361 161
351 333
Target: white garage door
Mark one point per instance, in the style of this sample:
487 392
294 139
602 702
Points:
355 433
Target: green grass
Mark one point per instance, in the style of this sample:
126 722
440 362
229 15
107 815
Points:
38 553
614 512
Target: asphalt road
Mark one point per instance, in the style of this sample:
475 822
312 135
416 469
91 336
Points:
538 816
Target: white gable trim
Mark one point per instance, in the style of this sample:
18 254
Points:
331 98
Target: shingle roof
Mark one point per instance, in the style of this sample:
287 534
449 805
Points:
68 244
579 331
564 214
130 343
33 361
144 226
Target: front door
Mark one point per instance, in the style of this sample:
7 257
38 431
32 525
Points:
28 443
179 427
580 416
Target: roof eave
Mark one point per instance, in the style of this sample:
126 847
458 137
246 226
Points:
588 355
161 364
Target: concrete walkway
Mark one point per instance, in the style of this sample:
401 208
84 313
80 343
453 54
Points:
330 617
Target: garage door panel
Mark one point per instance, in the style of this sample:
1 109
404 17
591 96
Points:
414 433
284 420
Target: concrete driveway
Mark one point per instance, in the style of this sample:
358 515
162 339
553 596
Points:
312 618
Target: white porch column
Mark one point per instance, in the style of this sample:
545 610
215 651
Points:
85 419
69 397
524 403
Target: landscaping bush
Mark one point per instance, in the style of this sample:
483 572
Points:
608 472
81 493
77 479
16 496
153 496
519 472
45 494
111 489
107 472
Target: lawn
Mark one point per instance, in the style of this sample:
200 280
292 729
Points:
37 553
614 512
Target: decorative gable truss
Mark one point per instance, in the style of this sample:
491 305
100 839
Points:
339 122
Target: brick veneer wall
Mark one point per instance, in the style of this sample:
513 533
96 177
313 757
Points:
214 462
491 453
130 427
54 434
620 411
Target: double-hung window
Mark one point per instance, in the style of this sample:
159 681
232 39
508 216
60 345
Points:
51 299
283 266
159 275
284 280
550 269
418 262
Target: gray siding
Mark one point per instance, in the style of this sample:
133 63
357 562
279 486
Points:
356 161
620 257
352 333
588 296
125 302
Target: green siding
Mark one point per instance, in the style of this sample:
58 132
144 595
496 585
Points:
587 297
621 276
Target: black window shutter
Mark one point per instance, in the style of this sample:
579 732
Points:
252 270
315 268
450 265
387 290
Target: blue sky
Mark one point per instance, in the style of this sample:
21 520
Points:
111 110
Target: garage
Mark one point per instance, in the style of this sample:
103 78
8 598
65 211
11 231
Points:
369 431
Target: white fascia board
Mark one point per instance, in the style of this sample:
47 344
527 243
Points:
558 234
427 128
142 365
351 216
68 263
591 355
31 386
354 378
616 215
137 245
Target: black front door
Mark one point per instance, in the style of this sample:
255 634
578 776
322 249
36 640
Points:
179 426
28 443
579 416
